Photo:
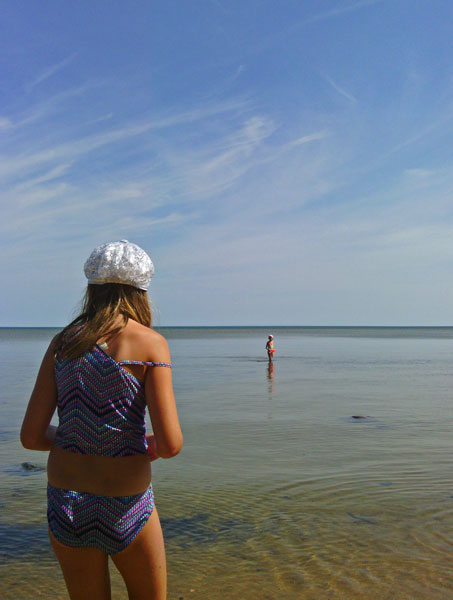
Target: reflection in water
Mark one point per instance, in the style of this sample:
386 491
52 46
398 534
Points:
271 388
270 375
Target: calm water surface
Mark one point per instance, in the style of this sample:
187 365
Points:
278 493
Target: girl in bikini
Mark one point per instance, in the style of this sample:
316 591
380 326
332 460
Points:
101 373
270 348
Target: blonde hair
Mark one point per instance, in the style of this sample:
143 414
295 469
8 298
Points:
101 307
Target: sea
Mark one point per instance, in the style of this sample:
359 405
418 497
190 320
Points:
325 475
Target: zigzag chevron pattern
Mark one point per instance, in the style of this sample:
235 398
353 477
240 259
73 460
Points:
101 406
110 523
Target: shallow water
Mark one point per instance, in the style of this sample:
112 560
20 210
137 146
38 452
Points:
278 492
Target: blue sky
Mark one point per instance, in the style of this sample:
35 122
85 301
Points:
282 162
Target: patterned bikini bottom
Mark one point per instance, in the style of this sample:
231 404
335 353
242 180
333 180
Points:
110 523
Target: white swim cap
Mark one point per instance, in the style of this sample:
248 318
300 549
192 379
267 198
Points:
119 262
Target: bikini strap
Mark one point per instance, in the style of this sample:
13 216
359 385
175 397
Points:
144 363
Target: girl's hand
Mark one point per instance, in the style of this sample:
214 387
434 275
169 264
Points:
152 447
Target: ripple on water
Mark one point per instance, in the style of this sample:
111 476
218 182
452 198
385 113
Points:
23 541
337 537
328 537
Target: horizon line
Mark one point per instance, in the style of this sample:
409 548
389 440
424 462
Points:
251 326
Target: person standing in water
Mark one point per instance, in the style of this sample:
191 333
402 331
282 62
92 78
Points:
101 373
270 348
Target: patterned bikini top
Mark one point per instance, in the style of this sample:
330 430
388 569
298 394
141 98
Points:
101 405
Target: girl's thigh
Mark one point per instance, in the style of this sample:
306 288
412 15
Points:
142 564
85 571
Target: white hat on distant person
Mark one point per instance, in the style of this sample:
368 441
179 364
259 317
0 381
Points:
119 262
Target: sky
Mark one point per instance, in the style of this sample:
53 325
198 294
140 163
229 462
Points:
283 163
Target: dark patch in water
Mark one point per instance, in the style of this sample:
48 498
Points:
205 529
361 519
385 483
25 469
28 466
18 541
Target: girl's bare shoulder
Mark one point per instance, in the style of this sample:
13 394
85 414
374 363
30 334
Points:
152 343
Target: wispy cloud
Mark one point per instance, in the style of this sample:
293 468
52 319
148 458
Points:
217 165
204 111
21 163
312 137
49 72
44 177
275 38
46 108
233 78
339 89
106 117
419 174
336 12
163 189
